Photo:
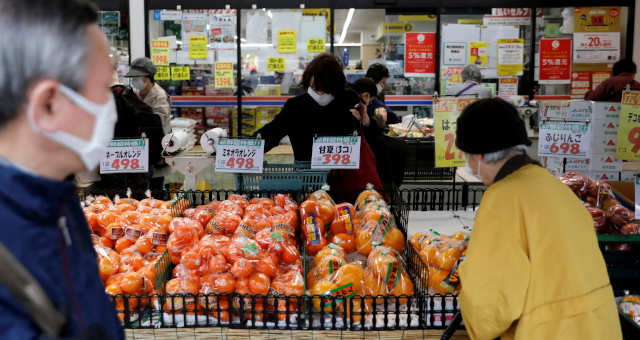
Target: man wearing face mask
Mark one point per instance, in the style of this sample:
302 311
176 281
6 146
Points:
142 72
379 74
57 116
533 269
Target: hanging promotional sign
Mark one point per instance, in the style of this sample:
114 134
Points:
316 46
580 84
455 53
628 146
240 155
160 52
565 139
222 28
597 19
555 61
508 87
126 156
276 64
223 75
167 15
510 57
446 112
337 152
596 47
419 54
180 73
163 73
478 54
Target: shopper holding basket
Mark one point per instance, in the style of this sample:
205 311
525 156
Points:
57 115
533 269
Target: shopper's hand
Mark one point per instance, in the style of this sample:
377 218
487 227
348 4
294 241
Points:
382 113
362 117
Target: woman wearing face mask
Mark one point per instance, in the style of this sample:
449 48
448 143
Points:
379 74
327 108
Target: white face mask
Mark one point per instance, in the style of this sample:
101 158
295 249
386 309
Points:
92 151
321 99
138 84
470 172
379 87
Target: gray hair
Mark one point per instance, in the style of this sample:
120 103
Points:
471 72
41 39
494 157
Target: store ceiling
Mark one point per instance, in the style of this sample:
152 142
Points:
364 20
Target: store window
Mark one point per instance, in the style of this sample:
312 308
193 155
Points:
115 26
195 52
576 48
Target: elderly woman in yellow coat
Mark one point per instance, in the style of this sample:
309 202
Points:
533 269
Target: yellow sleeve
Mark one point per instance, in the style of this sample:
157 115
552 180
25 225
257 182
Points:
495 273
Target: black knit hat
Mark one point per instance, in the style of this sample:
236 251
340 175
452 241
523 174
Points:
490 125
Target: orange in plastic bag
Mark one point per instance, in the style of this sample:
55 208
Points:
367 196
345 241
343 222
259 284
323 287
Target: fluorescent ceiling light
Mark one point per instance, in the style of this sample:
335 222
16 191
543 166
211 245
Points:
256 45
347 45
345 28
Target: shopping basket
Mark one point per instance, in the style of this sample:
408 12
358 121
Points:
296 176
420 162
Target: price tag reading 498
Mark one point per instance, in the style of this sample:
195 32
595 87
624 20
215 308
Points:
336 153
240 155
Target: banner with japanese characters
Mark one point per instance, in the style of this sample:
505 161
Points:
510 57
419 54
446 112
555 61
222 28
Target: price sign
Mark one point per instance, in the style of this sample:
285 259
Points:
446 112
341 152
316 46
275 64
629 127
160 52
163 73
287 41
223 75
240 155
180 73
126 156
198 47
565 139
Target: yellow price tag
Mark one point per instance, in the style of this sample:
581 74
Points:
286 41
276 64
180 73
163 73
198 47
478 53
316 46
160 52
628 146
446 112
223 75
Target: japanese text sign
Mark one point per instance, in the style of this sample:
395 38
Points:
126 156
629 127
180 73
163 73
276 64
160 52
566 139
596 47
510 57
478 54
446 112
339 152
580 84
508 87
597 19
223 75
198 47
287 41
455 53
240 155
316 46
555 61
420 54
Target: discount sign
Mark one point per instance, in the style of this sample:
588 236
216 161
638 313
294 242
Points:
240 155
564 139
126 156
629 127
446 112
336 153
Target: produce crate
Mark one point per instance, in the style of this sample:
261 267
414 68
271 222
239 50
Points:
420 162
623 265
296 176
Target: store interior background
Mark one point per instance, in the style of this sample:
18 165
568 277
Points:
364 40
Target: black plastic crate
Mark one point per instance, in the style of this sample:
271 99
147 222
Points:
420 162
623 265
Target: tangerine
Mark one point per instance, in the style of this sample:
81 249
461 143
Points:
349 274
122 244
267 266
259 284
363 241
242 286
436 276
242 268
447 259
345 241
131 283
224 284
144 245
321 288
394 239
217 264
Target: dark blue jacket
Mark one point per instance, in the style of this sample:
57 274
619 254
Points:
33 215
392 117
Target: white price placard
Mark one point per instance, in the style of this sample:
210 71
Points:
126 156
565 139
339 152
596 47
240 155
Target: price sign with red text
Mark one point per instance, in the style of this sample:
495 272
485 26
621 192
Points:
240 155
628 146
126 156
445 113
596 47
339 152
565 139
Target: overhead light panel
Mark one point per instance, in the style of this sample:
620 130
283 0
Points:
347 23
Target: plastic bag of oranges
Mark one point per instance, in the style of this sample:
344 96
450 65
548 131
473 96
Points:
367 196
443 255
378 228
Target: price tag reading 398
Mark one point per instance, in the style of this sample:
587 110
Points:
240 155
565 139
341 152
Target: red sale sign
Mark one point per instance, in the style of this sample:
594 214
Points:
419 54
555 61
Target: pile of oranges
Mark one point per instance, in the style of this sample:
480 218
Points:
129 237
443 255
343 232
238 246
